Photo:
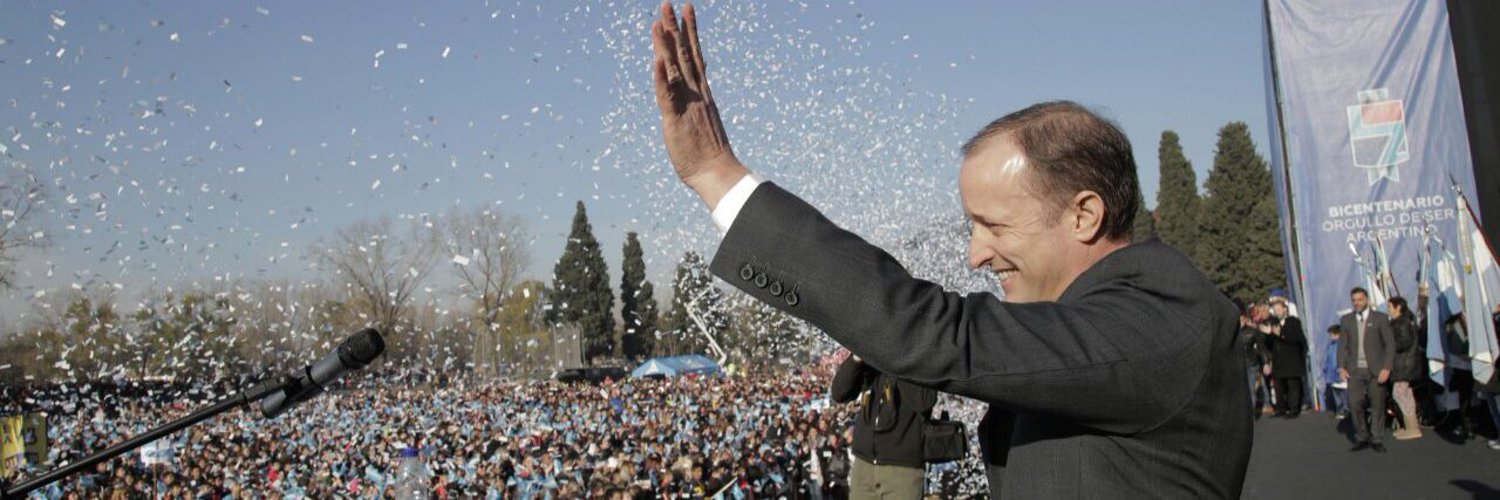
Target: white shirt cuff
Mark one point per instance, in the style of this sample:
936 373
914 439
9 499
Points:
734 200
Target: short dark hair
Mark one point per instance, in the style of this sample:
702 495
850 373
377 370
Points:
1335 329
1400 302
1071 150
1359 290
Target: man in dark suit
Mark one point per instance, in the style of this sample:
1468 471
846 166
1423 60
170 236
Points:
1288 359
1365 360
1111 370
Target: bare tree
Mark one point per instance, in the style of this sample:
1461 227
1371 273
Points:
379 269
280 320
489 256
22 197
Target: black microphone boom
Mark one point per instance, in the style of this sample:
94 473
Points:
275 397
356 352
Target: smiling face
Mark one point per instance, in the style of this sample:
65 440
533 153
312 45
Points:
1033 249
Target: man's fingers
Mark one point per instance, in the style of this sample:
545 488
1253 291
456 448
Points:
699 65
670 42
680 42
659 77
667 16
690 20
661 42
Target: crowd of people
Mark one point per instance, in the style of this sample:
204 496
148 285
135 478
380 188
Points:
749 436
768 435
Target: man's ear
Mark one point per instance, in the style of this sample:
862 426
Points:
1086 216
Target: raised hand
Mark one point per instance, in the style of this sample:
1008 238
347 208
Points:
691 128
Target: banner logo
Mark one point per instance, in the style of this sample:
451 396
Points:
1377 134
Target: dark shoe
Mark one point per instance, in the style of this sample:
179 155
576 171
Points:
1379 448
1360 446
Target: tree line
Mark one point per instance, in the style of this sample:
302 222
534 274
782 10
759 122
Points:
495 321
1231 228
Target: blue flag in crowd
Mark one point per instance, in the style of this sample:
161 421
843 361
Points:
1435 313
1481 286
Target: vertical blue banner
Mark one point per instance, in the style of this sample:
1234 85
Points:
1366 99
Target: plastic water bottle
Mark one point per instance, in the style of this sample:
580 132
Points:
412 478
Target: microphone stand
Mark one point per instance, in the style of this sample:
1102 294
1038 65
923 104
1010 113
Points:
241 399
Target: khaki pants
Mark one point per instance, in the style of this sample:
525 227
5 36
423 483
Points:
885 482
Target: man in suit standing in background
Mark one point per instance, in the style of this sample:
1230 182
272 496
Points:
1288 359
1365 360
1112 370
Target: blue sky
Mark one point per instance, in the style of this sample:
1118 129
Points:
184 141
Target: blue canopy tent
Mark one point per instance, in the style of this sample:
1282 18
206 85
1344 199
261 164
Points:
676 366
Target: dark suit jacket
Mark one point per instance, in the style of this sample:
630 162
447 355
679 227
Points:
1379 345
1289 351
1132 385
888 426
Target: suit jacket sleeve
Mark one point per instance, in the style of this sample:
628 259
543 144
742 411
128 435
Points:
847 381
1103 360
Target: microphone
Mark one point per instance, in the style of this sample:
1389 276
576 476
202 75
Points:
354 353
275 397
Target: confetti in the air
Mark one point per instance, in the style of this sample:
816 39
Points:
154 189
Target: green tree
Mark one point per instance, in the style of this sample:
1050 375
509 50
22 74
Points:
697 312
580 289
1240 245
1177 202
73 337
188 337
523 343
26 351
761 337
1143 227
637 306
93 329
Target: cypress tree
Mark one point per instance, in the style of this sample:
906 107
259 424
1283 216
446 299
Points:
581 295
649 316
1143 226
1240 246
637 306
1177 200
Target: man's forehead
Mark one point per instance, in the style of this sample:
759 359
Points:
1000 151
992 181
